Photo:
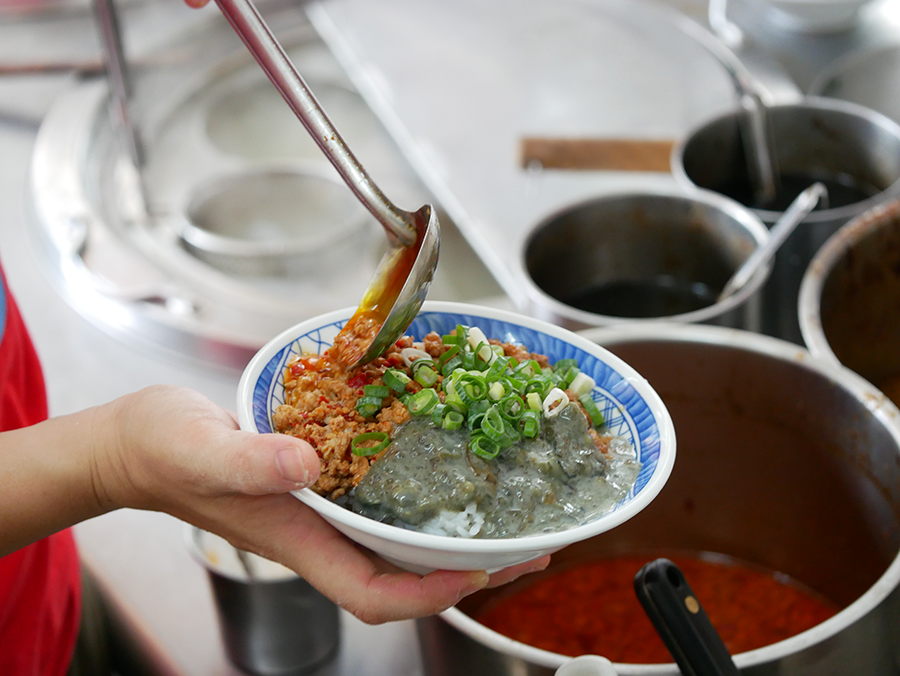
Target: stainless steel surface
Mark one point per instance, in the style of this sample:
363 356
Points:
849 298
784 461
658 239
799 209
818 139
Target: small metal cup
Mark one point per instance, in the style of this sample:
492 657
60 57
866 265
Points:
275 624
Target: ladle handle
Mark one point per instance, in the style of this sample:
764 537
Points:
249 25
681 622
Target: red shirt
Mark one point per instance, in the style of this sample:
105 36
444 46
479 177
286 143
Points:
40 587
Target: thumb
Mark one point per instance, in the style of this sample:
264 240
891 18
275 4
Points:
259 464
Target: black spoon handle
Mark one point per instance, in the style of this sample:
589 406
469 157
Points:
681 622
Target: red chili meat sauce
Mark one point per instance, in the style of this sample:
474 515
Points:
592 609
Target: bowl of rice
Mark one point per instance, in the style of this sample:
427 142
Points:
482 439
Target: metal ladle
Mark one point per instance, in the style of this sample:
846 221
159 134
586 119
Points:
762 163
799 209
404 274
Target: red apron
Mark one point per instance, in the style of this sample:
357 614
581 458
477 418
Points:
40 588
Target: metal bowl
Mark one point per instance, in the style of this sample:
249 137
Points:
660 255
784 461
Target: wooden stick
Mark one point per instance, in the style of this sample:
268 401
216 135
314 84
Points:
597 154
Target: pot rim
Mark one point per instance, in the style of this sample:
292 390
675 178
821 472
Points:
880 406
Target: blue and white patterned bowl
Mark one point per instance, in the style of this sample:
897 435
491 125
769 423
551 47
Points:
630 406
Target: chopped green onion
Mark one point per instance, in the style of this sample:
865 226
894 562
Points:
451 365
540 384
423 401
582 384
496 391
453 420
564 364
452 397
591 409
395 379
534 401
380 391
426 376
556 396
437 414
368 406
471 387
568 375
462 336
530 424
497 368
492 424
448 354
483 447
360 444
511 406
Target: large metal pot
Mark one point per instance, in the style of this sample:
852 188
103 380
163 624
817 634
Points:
854 150
850 295
784 461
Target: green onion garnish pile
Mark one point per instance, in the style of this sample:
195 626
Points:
498 398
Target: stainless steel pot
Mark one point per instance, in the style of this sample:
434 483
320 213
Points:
850 295
662 255
784 461
855 150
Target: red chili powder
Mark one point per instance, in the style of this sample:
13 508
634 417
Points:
592 609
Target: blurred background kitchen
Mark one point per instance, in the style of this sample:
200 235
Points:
165 216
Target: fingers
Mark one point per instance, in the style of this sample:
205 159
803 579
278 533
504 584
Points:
256 464
196 4
507 575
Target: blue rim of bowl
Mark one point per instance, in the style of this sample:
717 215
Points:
625 410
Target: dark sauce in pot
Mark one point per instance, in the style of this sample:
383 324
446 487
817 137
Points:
843 190
591 608
661 296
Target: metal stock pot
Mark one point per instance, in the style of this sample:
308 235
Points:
784 461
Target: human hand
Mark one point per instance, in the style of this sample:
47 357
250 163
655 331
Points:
175 451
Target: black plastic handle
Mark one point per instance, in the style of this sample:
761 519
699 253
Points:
681 622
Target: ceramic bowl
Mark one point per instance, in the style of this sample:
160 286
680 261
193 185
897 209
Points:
630 406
